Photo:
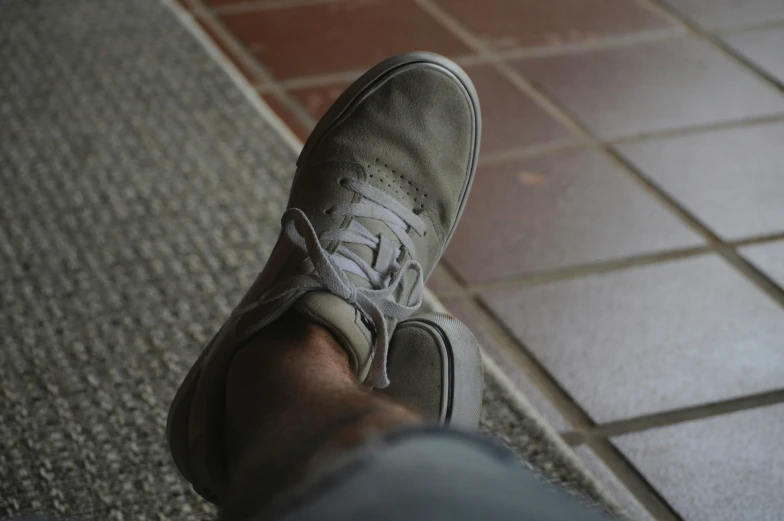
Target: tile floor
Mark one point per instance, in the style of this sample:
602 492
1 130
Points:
622 254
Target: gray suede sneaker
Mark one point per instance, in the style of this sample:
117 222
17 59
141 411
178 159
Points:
435 367
380 186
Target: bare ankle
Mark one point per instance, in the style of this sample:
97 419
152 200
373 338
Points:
271 465
275 370
292 403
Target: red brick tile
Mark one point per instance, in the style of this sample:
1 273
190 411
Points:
725 468
299 130
650 339
652 87
712 13
557 211
324 38
510 119
763 47
730 179
508 24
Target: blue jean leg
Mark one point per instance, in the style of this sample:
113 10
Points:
429 474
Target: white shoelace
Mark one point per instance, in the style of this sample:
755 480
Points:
328 271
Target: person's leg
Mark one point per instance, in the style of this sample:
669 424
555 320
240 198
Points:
309 401
379 188
300 430
292 404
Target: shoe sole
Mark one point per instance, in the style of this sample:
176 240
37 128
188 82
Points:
177 423
463 378
179 417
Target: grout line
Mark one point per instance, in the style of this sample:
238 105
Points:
274 88
267 5
604 42
697 129
759 277
571 272
656 505
265 88
573 438
565 144
760 239
695 29
686 414
505 156
470 60
742 28
762 73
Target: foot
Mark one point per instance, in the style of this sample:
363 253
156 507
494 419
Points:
380 186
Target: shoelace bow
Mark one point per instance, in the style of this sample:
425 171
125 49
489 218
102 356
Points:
329 271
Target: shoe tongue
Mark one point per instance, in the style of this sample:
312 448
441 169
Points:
347 323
